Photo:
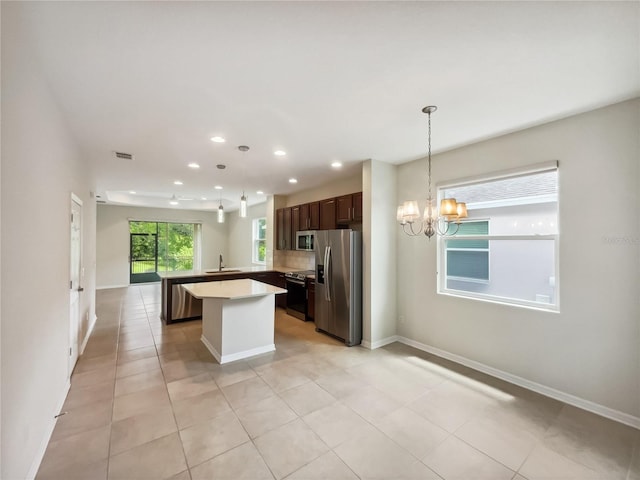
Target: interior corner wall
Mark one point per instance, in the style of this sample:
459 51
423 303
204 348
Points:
379 308
112 238
590 348
41 166
240 236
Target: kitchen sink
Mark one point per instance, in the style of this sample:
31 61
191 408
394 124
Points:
224 270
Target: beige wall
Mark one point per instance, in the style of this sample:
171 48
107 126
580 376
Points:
41 167
240 235
112 250
591 348
379 253
341 186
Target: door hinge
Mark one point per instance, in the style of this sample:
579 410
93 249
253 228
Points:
71 284
72 218
70 351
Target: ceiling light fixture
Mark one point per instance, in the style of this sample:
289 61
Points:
132 192
220 211
218 187
293 180
259 192
173 200
243 198
336 164
193 165
280 153
217 139
444 223
177 182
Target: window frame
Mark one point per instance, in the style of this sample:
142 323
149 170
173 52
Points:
441 288
255 240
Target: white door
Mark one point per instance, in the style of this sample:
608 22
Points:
75 277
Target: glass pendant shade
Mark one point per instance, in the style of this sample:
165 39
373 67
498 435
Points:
243 206
448 207
410 211
461 209
220 214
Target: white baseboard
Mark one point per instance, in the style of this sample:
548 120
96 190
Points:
236 356
588 405
89 332
106 287
380 343
37 460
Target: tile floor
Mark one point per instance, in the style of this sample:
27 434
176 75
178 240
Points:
149 402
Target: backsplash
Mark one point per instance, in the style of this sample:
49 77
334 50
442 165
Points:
295 259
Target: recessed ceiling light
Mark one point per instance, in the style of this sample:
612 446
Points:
336 164
217 139
177 182
220 166
173 202
193 165
203 198
280 153
260 192
218 187
132 192
293 180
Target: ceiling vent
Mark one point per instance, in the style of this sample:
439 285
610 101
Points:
123 156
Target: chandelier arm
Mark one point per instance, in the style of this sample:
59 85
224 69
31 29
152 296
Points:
411 232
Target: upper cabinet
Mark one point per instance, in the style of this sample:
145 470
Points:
349 208
328 214
309 216
283 229
324 214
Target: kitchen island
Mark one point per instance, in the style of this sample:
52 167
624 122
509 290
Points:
238 317
178 306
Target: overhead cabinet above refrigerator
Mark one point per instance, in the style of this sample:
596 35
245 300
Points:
338 294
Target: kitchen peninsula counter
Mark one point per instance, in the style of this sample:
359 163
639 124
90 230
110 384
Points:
179 306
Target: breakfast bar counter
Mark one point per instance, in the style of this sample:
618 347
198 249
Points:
238 317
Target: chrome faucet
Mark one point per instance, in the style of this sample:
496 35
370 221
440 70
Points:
220 264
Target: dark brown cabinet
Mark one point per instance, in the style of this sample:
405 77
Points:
283 229
311 299
274 278
309 216
328 214
314 215
296 223
349 208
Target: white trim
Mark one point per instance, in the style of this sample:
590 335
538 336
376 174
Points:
588 405
106 287
379 343
76 199
238 355
89 332
37 459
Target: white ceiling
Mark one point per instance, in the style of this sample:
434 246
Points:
323 81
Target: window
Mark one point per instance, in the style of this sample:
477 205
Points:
468 260
259 240
162 247
507 250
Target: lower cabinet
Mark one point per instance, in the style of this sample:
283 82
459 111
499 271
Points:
276 279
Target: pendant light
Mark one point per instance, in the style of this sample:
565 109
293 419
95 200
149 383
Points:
243 198
220 211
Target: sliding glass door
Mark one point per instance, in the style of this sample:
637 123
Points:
161 247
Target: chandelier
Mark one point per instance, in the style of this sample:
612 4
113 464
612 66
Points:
446 221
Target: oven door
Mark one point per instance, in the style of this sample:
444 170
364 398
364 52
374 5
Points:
296 298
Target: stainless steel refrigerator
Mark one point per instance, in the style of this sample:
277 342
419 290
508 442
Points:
338 298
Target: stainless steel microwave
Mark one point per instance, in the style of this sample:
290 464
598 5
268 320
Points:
304 240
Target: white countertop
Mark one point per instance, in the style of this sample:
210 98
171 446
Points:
204 272
231 289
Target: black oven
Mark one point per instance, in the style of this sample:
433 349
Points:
297 293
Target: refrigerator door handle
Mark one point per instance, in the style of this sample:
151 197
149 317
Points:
327 273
